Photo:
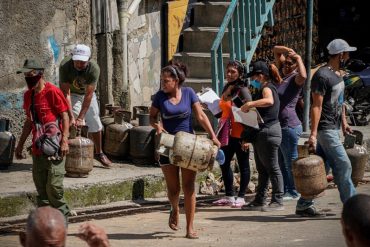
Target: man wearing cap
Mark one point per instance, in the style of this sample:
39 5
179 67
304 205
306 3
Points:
78 77
327 117
44 103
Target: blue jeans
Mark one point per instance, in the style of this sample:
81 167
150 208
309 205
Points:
337 158
288 153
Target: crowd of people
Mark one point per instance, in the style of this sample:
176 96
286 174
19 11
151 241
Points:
277 89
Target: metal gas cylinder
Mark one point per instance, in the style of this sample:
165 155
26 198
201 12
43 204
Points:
117 139
142 145
141 114
309 173
7 144
357 154
108 117
80 159
189 151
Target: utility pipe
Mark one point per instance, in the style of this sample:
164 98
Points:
125 14
307 87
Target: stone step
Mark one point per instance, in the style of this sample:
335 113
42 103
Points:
200 39
198 83
209 14
199 63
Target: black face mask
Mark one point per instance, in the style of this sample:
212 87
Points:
32 81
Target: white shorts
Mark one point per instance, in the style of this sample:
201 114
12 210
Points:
92 118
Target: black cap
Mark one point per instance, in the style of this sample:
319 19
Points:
29 65
259 67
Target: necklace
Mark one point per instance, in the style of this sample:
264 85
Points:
334 71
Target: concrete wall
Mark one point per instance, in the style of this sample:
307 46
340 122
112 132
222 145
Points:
43 29
144 47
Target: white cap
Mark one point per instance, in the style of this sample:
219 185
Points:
81 53
339 45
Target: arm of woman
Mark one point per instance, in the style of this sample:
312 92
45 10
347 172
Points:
266 101
153 116
279 57
204 121
301 77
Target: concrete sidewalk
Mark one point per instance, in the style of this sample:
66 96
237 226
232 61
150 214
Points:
123 182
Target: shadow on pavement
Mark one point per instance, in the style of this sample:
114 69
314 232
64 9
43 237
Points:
17 167
274 218
119 236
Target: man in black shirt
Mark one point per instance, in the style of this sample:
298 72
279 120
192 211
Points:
327 116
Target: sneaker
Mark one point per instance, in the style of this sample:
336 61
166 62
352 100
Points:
72 213
290 196
253 206
273 206
227 201
311 211
104 160
239 202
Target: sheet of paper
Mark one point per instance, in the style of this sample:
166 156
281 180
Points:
248 118
211 99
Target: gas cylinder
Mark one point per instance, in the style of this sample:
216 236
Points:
309 174
108 117
142 145
357 154
141 114
189 151
117 139
7 144
80 159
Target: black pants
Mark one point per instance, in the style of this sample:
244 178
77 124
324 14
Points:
266 156
243 162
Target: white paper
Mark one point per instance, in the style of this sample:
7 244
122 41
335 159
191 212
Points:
211 99
249 118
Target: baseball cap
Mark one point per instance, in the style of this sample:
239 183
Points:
81 53
259 67
337 46
29 65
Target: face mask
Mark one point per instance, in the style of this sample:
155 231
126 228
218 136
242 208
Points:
256 84
32 81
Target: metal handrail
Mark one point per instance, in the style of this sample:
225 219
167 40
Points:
244 20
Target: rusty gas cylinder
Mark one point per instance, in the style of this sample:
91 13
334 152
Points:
189 151
80 159
142 145
309 174
357 154
108 117
7 144
117 139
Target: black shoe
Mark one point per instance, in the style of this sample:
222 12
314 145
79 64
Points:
273 206
253 206
309 212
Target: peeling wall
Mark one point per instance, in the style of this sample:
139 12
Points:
46 30
144 48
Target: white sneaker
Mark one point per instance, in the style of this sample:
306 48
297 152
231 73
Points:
226 201
239 202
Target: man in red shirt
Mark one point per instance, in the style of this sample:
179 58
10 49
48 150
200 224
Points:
49 105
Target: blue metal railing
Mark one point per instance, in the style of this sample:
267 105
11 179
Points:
244 20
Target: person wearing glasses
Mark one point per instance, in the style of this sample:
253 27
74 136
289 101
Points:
294 75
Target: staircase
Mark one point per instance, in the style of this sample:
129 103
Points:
222 31
198 40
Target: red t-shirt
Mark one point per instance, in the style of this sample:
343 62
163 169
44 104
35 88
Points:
48 104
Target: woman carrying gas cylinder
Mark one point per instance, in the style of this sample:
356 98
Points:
175 104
